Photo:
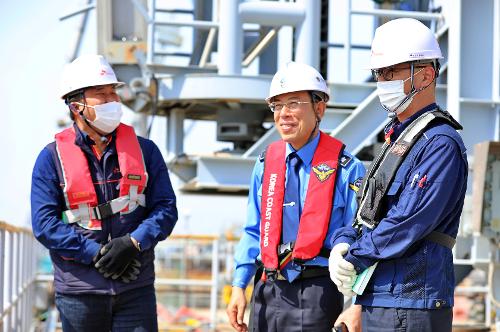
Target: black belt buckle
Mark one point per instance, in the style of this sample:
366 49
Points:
103 211
271 274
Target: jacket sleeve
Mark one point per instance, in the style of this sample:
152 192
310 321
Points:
433 187
346 233
248 248
160 200
47 204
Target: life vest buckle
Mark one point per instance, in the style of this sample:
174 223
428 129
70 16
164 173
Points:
285 248
271 274
103 211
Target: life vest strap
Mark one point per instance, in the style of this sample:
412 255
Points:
442 239
84 212
288 247
385 167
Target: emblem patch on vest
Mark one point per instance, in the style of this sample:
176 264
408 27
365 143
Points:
134 177
399 149
323 172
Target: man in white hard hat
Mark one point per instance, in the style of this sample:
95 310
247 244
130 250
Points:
101 199
412 197
307 176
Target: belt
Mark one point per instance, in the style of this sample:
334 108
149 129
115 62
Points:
309 272
314 272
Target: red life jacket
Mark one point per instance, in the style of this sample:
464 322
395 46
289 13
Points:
315 217
79 191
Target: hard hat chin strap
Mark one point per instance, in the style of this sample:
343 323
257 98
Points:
413 92
316 126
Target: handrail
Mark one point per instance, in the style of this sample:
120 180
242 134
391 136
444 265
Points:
17 272
12 228
399 13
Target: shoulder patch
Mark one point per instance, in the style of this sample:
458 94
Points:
262 156
356 184
344 160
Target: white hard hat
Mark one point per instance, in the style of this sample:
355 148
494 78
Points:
403 40
296 76
86 71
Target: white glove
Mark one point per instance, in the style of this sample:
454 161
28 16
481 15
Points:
346 291
342 272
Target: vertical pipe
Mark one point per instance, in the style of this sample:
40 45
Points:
495 94
10 282
2 270
495 83
175 133
151 31
347 45
17 281
22 316
20 290
308 34
214 291
230 41
454 43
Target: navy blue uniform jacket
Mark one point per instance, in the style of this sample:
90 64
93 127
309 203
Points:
427 194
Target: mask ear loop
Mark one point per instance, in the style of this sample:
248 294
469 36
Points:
82 115
72 108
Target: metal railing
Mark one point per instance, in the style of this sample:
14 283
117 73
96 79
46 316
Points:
173 271
217 250
17 277
213 282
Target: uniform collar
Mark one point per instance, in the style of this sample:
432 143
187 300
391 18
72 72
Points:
306 152
398 127
82 139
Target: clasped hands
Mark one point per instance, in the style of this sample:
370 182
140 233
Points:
118 259
342 272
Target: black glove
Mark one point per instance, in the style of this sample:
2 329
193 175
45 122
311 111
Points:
131 272
97 256
117 254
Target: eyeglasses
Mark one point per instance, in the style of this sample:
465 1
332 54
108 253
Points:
388 73
291 105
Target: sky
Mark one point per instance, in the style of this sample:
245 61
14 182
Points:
35 49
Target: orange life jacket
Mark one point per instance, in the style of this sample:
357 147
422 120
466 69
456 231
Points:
79 190
315 217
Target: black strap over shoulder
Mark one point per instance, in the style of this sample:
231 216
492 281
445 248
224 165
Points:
385 167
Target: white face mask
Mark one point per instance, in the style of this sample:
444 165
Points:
107 116
392 95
